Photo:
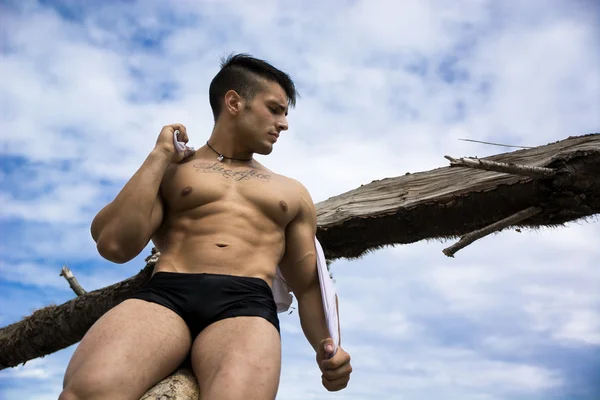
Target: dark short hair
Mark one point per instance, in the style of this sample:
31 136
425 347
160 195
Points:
243 73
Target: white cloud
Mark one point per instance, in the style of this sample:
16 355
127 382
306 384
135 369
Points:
459 374
386 89
582 326
39 379
91 275
63 205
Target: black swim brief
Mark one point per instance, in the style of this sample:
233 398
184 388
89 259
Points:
201 299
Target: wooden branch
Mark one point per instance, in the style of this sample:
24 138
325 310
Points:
495 227
442 203
73 283
450 202
516 169
54 328
180 385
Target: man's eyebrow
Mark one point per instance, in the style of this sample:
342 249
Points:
280 106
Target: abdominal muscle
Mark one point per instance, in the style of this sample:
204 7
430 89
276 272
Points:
230 242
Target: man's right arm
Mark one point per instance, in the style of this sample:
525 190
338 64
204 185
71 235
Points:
124 227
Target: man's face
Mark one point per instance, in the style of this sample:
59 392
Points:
263 118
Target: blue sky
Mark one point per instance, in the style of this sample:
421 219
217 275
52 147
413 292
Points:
387 88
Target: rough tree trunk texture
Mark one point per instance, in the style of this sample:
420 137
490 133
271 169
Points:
180 385
442 203
452 201
56 327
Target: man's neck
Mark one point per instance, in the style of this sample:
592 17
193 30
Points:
223 142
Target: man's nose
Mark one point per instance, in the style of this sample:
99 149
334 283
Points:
282 125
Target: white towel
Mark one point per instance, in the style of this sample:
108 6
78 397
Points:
180 146
282 292
283 296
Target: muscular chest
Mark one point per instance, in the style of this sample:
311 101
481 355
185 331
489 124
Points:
199 184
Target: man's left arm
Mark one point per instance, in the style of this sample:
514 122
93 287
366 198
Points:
299 268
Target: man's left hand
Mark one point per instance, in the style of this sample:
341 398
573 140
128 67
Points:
336 370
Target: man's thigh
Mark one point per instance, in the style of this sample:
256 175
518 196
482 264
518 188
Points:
238 358
129 349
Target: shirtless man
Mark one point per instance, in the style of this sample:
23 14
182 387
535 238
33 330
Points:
222 223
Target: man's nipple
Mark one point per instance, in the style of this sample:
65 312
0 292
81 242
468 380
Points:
283 205
186 191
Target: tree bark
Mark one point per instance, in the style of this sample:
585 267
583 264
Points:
53 328
181 385
453 201
443 203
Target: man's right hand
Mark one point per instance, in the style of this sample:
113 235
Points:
165 144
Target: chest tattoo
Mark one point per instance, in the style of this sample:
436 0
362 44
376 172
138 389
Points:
239 175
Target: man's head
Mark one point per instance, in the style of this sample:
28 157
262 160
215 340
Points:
252 97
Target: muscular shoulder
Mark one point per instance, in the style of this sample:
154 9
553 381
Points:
300 190
292 186
301 194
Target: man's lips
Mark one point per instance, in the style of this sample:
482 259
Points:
274 134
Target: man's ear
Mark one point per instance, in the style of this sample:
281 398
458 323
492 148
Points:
233 102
